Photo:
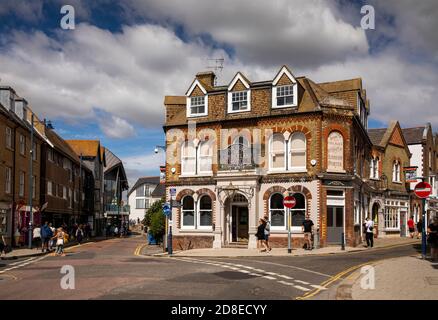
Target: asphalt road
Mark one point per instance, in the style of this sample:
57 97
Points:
111 270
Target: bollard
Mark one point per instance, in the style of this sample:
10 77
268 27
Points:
342 242
316 240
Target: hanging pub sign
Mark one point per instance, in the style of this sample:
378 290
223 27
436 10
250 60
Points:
410 174
162 174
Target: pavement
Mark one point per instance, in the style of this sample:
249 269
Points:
282 252
403 278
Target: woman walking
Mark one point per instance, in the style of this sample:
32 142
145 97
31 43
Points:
79 234
432 238
261 235
59 242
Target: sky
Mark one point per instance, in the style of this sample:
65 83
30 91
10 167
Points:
107 78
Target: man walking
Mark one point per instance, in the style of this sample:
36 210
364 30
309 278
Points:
46 236
411 226
307 228
267 232
369 226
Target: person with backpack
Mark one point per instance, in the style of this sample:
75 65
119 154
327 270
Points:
369 226
267 232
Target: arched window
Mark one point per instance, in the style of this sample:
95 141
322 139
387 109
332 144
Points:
188 158
335 152
396 171
374 168
205 158
205 212
276 211
277 152
188 212
299 211
297 152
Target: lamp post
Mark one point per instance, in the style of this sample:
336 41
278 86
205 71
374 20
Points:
31 183
168 229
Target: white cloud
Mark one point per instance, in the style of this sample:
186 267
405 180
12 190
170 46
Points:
266 33
142 165
115 127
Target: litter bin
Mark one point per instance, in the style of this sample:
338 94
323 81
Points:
151 239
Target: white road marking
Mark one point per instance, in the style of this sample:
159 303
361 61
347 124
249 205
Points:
318 287
19 262
301 288
286 283
302 282
285 277
268 277
293 267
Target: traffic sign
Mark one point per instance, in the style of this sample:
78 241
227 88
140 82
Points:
289 202
166 209
423 190
172 192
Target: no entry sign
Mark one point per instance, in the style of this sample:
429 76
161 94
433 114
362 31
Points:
289 202
423 190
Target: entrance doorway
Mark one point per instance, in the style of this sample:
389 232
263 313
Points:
375 217
335 224
239 223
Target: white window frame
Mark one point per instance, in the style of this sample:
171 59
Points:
143 201
374 168
8 137
199 114
248 101
396 172
198 213
8 180
189 114
294 93
64 192
298 229
389 224
208 157
290 167
284 226
21 184
284 71
184 172
272 154
189 227
22 144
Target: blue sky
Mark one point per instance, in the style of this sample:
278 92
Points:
107 78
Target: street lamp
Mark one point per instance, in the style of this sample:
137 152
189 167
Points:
31 182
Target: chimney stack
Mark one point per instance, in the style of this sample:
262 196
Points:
207 78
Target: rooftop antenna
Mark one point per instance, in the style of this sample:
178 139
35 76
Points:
217 64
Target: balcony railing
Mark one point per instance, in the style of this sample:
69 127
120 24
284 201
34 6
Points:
114 209
237 157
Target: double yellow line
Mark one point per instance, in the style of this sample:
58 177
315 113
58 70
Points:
138 249
328 282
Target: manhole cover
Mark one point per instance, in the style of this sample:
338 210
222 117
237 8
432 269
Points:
433 281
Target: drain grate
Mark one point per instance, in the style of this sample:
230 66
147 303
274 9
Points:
433 281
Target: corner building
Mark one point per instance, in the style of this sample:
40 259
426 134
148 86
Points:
234 151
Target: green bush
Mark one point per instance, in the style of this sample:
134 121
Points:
155 220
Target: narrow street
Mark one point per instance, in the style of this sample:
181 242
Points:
111 269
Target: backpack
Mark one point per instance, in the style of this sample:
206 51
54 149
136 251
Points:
65 237
267 228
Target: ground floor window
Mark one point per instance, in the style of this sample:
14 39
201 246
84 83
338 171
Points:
3 222
277 211
197 215
392 218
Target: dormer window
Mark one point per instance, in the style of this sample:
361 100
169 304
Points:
197 105
239 101
285 96
284 90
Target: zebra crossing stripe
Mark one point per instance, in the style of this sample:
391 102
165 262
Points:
301 288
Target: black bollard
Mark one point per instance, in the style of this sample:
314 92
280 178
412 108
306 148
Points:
342 242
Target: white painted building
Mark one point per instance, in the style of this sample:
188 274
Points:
143 194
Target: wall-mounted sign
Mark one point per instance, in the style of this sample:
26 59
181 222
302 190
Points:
410 174
335 152
162 174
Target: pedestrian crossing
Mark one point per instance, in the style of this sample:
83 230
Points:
282 279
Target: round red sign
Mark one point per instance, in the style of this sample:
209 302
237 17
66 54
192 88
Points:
423 190
289 202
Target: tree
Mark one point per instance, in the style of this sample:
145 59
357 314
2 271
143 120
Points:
154 220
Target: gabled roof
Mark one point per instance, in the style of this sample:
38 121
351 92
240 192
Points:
382 137
113 162
86 148
376 135
284 70
61 145
414 135
195 83
145 180
237 77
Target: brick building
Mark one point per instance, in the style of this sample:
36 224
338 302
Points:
390 202
234 151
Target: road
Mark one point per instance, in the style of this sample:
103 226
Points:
111 270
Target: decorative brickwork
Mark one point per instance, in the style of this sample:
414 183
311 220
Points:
188 242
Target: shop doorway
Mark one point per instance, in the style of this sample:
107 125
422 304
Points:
335 224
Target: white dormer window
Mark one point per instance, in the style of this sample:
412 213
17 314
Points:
239 101
285 96
197 105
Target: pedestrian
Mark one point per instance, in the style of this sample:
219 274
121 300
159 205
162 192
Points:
2 246
432 239
87 231
52 241
419 228
122 231
307 228
60 238
37 237
46 234
79 234
369 226
116 231
267 232
411 226
261 235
